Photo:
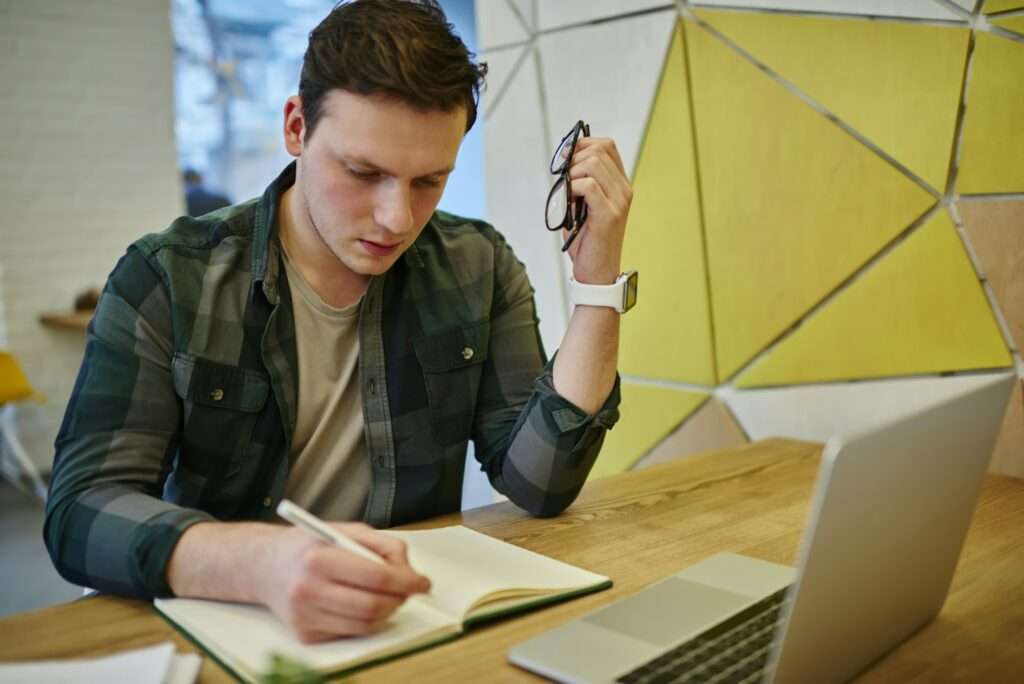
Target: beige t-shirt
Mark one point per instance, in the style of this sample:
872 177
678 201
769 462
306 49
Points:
330 473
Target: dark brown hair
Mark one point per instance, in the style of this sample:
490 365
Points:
404 49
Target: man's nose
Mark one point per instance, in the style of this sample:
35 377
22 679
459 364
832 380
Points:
394 209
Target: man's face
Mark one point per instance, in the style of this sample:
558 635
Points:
371 175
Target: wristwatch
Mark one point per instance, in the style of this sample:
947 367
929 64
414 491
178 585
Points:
620 295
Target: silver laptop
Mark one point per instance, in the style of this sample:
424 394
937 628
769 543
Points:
890 511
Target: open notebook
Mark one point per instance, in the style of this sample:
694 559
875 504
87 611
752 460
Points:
475 578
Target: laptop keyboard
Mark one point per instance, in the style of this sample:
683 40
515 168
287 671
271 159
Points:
733 651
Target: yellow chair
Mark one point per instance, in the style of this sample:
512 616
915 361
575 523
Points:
14 388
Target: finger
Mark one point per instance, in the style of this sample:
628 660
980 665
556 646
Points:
593 194
346 602
613 185
389 548
601 145
343 567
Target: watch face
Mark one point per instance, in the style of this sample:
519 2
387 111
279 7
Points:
630 294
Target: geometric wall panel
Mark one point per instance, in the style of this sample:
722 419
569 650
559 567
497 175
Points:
565 12
782 187
996 232
501 65
1008 458
992 156
1002 5
605 74
710 428
921 9
497 25
649 414
514 138
921 309
668 336
895 83
817 412
1014 23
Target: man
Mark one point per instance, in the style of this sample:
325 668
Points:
337 342
199 200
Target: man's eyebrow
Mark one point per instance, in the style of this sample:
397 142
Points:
360 161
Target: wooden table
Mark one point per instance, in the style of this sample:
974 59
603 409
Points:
636 528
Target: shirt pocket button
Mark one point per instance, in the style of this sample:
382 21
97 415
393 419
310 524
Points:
467 353
217 394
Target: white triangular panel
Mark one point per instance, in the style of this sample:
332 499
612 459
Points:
919 9
606 74
501 65
567 12
817 412
525 10
497 24
967 4
516 168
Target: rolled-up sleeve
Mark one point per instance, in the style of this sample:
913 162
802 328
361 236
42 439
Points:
536 446
106 525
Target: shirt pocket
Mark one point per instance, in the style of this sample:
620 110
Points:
221 404
452 363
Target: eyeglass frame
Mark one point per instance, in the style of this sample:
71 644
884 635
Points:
575 216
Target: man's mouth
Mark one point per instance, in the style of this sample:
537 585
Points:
379 249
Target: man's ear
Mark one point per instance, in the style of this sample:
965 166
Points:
294 126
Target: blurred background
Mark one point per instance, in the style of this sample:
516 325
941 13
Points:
828 216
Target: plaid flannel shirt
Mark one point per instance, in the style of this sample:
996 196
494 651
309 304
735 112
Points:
185 403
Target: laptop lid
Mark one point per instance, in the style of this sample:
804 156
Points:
890 512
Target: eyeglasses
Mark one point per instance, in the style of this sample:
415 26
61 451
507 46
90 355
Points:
562 212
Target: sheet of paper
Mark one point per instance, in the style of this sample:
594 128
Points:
151 665
246 636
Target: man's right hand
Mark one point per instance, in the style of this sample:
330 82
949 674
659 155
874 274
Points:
320 591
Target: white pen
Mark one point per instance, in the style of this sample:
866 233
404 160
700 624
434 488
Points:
302 518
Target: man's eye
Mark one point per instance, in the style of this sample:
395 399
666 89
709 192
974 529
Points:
428 182
364 175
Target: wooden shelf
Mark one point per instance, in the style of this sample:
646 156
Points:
72 320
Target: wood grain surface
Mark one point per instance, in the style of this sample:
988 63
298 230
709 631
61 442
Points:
638 527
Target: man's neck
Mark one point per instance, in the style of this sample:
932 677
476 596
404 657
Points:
336 284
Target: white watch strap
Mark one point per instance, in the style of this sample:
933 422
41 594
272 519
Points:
598 295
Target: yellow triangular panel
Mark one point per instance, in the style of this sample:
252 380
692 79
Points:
992 154
919 310
896 83
792 204
649 414
1015 23
668 334
1003 5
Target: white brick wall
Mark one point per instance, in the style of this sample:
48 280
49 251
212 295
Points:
87 164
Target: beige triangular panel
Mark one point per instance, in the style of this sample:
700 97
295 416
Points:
1008 457
710 428
497 24
668 334
792 204
648 414
819 412
1014 23
919 310
992 149
895 83
1002 5
968 5
996 232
